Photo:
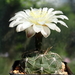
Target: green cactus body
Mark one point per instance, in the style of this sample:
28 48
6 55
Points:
43 64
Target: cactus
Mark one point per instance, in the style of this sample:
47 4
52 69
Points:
47 63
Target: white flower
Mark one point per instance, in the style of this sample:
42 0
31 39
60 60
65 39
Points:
38 20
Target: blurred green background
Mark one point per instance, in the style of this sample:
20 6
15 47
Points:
13 44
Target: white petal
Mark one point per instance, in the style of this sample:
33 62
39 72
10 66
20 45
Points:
34 9
53 27
21 14
37 28
19 18
50 10
57 12
30 32
45 31
57 29
18 28
15 23
62 23
22 27
62 17
54 19
27 12
13 18
39 11
45 10
41 22
12 24
16 18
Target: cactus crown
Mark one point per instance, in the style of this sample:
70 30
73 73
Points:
46 63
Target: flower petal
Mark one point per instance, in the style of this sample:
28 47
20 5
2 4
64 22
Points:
50 10
45 31
53 27
62 17
45 10
18 16
30 32
13 18
41 22
54 19
23 26
15 23
21 14
62 23
37 28
27 12
12 24
57 12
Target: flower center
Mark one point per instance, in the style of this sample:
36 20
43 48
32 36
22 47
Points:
38 16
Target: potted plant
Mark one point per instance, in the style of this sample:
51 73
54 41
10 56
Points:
39 23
